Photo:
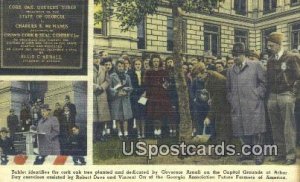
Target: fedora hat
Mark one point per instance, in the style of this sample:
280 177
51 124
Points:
45 106
238 48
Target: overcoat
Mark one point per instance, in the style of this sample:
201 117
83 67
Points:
246 88
219 109
139 110
101 106
13 124
120 105
48 140
158 104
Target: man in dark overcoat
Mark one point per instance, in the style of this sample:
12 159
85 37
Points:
12 122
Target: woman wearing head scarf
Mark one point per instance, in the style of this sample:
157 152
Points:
120 88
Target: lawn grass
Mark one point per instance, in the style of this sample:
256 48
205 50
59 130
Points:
110 153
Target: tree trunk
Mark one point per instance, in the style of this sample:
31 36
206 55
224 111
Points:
185 126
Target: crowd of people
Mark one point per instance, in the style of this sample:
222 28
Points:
121 86
57 132
248 95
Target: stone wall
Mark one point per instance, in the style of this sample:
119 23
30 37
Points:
12 95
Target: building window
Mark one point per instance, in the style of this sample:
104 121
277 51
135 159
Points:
184 35
141 31
170 34
100 26
212 39
295 2
295 35
265 34
270 6
240 7
241 35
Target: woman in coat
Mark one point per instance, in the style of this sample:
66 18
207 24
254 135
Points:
120 89
159 103
102 115
139 110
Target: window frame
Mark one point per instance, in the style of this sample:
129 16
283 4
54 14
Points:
170 19
246 31
270 4
295 3
238 11
144 33
101 31
263 37
292 37
209 32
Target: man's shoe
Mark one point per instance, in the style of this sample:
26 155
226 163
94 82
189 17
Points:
215 156
290 161
244 158
259 161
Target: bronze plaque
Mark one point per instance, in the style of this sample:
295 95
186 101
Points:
43 34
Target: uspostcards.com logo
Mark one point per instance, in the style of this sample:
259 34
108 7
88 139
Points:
151 150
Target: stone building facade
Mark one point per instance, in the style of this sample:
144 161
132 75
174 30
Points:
249 21
14 93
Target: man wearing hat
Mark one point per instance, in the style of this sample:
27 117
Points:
6 143
283 77
246 92
48 129
12 122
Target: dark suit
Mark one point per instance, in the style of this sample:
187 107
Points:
25 118
78 148
65 127
12 124
7 146
73 111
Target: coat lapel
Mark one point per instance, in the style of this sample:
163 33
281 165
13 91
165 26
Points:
238 70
